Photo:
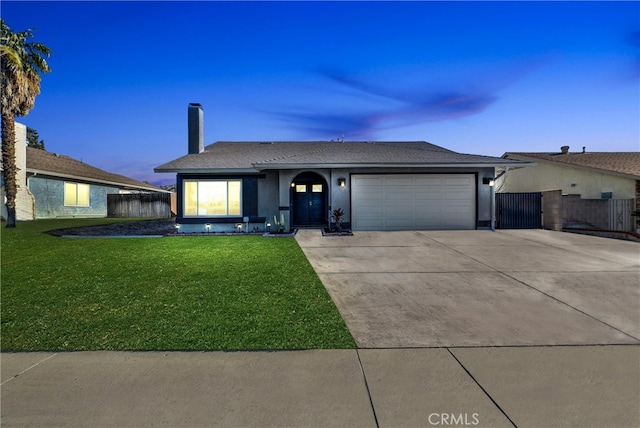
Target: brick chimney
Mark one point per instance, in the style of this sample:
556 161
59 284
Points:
564 149
196 128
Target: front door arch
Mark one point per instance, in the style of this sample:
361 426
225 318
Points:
309 200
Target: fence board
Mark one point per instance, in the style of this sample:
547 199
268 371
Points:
139 205
620 218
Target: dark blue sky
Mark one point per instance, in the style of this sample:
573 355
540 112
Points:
474 77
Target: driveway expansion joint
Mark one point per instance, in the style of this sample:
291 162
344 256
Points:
482 388
366 385
28 368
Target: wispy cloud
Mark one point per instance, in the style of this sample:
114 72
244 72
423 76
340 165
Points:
392 104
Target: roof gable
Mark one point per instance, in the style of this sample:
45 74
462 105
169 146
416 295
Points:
43 162
618 163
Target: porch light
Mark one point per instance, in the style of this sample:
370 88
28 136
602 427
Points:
342 182
293 184
489 180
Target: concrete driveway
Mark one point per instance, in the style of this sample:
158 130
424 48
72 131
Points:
421 289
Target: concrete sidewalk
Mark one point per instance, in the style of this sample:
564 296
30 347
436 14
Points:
586 386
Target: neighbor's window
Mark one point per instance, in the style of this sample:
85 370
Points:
212 198
76 195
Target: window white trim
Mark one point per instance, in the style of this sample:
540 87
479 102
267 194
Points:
212 198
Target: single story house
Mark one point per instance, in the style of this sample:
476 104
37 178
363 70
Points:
592 175
379 185
53 185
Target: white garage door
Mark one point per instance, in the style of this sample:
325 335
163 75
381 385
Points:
413 201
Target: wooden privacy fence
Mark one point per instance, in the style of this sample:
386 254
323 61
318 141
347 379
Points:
139 205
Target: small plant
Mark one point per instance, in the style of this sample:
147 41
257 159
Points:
278 226
337 215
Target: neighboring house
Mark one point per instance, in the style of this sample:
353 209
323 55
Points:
597 175
598 190
53 185
379 185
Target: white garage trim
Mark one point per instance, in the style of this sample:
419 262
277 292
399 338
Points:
413 201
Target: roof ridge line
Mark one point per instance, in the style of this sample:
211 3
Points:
319 150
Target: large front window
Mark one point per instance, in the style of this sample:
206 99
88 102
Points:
212 198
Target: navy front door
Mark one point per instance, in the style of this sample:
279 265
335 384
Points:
309 204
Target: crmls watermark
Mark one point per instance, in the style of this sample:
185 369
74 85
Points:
449 419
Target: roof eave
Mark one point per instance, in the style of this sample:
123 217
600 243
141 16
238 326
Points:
34 172
206 170
571 165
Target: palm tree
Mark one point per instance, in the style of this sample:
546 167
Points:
21 63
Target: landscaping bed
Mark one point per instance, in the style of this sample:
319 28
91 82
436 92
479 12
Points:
128 228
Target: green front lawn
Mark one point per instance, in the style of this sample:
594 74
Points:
173 293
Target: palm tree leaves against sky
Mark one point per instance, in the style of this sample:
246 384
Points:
21 63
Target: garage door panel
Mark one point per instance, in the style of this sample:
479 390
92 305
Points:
398 196
428 181
455 195
367 181
399 210
371 224
428 194
428 211
399 181
413 201
457 181
368 197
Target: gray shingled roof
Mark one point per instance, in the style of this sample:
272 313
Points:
619 163
252 156
47 163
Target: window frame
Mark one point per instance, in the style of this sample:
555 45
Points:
186 182
76 194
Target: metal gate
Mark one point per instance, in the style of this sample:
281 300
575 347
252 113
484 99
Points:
519 210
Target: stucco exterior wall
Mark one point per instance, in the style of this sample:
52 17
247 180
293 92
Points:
588 184
268 198
49 199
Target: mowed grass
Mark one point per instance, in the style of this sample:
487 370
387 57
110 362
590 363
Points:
172 293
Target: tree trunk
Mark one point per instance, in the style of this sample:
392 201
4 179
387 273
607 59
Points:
9 170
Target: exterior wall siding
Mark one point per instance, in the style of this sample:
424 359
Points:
545 176
268 199
48 193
